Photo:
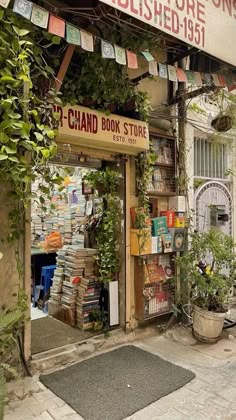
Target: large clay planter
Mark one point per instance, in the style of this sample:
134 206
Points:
207 325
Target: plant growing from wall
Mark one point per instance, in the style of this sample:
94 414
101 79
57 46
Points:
144 172
106 184
27 122
107 88
27 131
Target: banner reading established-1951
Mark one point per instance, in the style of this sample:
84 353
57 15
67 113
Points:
209 25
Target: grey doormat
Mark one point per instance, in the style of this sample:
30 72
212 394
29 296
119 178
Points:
49 333
116 384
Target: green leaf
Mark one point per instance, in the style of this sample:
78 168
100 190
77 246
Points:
13 159
14 115
23 77
51 134
4 137
3 157
38 136
9 150
7 79
5 124
21 32
45 153
1 14
56 40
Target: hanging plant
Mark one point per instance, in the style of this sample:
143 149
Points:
108 88
106 183
27 122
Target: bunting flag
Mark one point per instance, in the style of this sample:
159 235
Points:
147 55
172 73
72 34
153 68
190 77
87 41
181 75
216 80
40 16
56 26
222 80
107 50
132 60
198 78
23 8
207 79
4 3
120 55
163 71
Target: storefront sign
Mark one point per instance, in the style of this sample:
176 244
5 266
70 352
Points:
84 126
209 25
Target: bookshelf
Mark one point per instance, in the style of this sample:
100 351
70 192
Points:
155 270
164 175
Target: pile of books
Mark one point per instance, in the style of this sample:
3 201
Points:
87 301
58 277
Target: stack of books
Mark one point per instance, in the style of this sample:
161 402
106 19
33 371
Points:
69 294
58 277
87 301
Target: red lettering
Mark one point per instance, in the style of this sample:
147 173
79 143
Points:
145 132
158 12
123 3
200 12
95 124
70 121
166 18
191 8
180 4
132 8
216 3
103 123
148 14
126 129
175 22
83 125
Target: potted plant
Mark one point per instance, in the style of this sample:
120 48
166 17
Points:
207 275
96 318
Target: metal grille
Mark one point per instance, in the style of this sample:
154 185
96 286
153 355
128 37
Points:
158 299
212 193
210 159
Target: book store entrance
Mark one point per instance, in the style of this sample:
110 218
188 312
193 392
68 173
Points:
77 251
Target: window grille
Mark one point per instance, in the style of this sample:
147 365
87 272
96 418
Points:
210 159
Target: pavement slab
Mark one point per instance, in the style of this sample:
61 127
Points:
210 396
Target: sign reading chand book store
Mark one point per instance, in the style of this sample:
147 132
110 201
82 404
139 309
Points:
87 127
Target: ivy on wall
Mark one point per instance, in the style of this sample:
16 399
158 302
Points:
27 122
106 183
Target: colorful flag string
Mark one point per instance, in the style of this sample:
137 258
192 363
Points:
76 36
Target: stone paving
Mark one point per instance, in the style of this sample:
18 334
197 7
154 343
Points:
210 396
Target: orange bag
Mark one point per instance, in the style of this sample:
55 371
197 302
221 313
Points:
53 241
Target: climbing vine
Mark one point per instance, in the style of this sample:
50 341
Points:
106 184
27 122
144 171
